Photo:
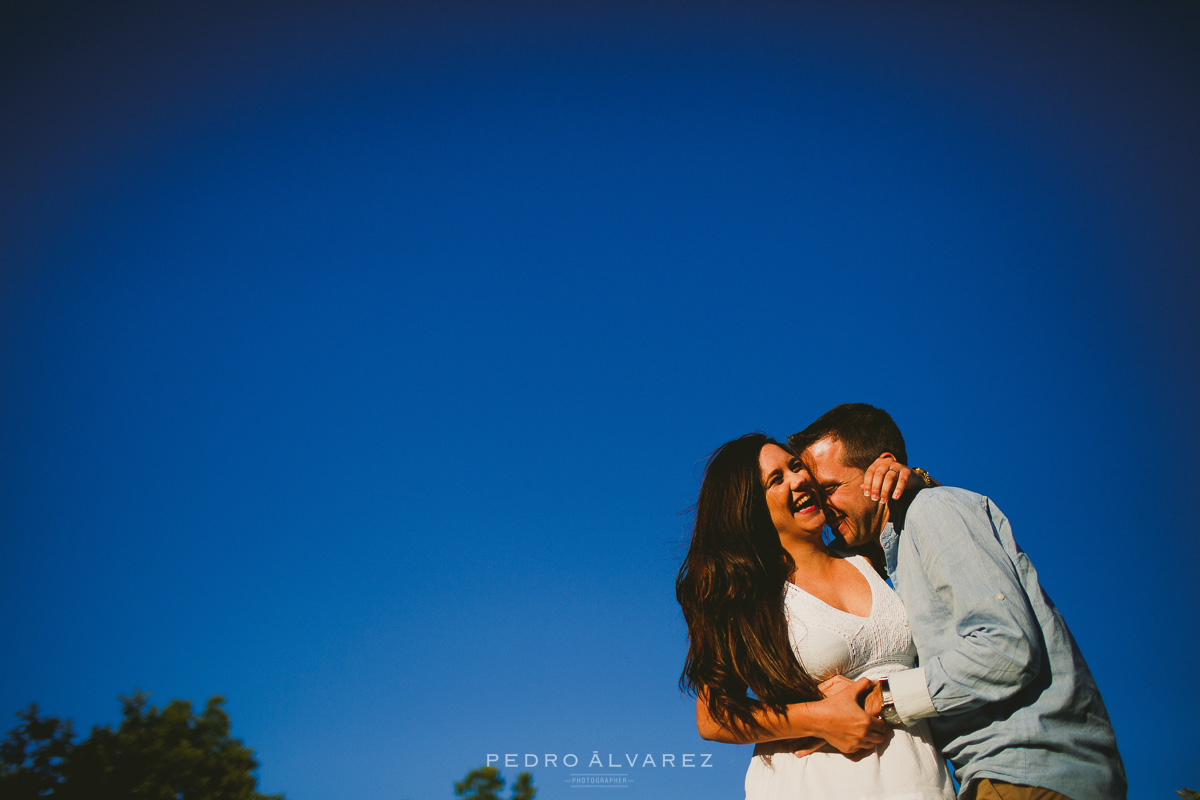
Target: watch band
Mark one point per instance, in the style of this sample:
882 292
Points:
889 713
924 476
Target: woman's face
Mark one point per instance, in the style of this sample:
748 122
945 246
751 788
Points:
789 492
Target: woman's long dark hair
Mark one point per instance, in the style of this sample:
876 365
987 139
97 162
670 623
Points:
730 587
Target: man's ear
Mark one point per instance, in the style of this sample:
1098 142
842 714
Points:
888 455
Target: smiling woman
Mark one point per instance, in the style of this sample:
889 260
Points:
771 610
795 510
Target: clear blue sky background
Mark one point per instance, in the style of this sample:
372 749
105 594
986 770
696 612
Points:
358 361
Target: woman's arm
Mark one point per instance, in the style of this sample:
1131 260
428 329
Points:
838 719
888 479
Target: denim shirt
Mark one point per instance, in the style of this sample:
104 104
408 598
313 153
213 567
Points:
1007 692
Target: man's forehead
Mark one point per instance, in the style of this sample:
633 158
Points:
825 449
824 457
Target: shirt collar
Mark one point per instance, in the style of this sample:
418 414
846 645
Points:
889 539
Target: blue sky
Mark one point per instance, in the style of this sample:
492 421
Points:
359 361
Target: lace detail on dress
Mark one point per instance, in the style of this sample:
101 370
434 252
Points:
828 641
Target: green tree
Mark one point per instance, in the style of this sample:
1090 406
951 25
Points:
167 754
523 788
485 783
32 755
1188 794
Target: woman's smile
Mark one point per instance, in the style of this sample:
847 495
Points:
789 492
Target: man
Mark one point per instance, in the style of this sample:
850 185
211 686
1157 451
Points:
1009 698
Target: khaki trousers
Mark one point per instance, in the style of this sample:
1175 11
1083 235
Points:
988 789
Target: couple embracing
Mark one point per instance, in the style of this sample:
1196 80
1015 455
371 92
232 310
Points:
850 690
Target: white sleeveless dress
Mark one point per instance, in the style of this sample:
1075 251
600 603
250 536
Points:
828 642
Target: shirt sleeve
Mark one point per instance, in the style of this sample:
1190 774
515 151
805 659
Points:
910 695
997 645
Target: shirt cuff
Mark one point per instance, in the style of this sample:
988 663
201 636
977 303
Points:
910 695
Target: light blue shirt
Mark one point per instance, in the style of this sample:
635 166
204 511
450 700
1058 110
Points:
1006 690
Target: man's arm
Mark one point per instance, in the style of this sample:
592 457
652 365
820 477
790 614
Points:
955 542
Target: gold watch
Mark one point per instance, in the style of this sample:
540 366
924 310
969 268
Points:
929 484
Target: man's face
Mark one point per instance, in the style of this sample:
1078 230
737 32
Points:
855 516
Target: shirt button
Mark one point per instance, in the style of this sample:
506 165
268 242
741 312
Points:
999 597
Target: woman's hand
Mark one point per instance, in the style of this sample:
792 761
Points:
831 686
842 721
828 688
872 701
838 719
809 746
888 479
867 695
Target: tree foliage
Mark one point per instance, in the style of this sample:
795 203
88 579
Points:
485 783
167 754
32 755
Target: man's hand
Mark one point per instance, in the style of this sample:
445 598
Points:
888 479
873 701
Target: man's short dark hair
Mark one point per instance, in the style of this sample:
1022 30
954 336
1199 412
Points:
866 432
